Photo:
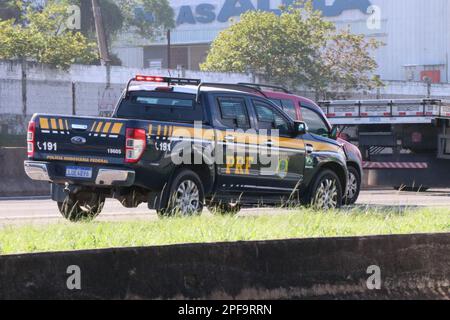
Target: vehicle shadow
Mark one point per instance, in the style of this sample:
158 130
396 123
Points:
391 209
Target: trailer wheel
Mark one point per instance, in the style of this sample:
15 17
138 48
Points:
186 195
326 192
82 207
354 186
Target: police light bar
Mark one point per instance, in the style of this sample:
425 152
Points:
168 80
149 79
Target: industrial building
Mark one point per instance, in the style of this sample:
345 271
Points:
415 33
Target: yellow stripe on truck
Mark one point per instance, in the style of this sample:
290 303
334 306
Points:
117 127
54 125
43 123
99 127
107 127
61 125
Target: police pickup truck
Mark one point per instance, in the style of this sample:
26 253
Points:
179 145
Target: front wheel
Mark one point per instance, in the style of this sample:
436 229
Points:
186 195
81 207
326 192
354 186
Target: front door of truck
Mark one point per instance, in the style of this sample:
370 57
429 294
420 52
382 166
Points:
235 165
282 156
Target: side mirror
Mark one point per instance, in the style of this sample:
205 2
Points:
334 133
300 127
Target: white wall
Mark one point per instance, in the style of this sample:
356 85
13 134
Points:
88 90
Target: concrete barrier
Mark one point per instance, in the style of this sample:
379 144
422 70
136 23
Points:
13 180
411 267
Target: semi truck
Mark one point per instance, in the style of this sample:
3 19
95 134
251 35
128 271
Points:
405 143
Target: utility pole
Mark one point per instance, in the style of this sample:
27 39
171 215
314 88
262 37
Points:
169 48
101 36
428 81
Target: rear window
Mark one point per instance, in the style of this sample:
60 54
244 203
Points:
160 106
234 113
188 103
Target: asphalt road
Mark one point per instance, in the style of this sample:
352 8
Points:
36 211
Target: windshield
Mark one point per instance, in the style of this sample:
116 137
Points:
160 106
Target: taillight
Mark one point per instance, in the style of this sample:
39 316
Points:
31 134
136 142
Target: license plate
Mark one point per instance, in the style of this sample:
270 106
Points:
78 172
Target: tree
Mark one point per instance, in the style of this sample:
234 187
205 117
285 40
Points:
113 18
42 37
146 17
296 48
149 17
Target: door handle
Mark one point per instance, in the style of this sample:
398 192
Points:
309 148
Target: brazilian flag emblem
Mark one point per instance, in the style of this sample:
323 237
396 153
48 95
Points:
283 167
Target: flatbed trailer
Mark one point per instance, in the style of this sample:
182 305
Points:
405 143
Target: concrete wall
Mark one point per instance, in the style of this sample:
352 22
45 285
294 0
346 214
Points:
94 90
412 267
13 180
83 90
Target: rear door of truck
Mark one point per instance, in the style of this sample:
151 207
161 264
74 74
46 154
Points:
79 139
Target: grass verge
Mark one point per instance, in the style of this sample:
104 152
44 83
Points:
286 225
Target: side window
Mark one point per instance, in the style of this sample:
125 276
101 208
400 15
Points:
315 122
277 102
289 108
234 113
268 118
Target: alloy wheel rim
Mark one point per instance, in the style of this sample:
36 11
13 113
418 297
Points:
187 198
326 195
352 186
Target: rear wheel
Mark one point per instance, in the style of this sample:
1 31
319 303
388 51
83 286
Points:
186 195
81 207
326 192
354 186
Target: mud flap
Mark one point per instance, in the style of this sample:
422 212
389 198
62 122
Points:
58 193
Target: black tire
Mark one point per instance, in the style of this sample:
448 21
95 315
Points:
313 197
82 207
354 187
188 204
224 209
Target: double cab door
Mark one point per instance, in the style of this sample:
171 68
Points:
259 154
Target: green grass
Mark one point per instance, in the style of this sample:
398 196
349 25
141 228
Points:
285 225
